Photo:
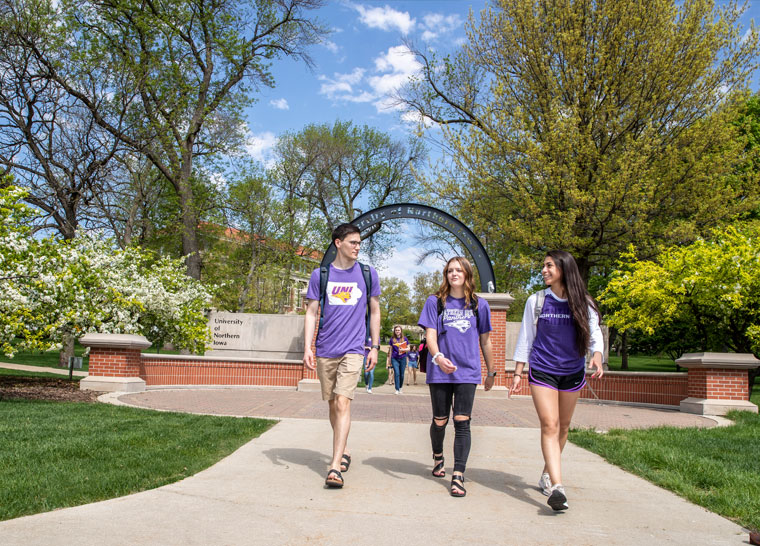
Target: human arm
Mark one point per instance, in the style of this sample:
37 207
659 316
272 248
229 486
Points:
487 348
516 378
374 331
310 322
596 343
446 366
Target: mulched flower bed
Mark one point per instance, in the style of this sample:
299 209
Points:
44 388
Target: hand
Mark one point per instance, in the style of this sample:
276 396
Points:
596 362
515 386
488 385
446 365
371 360
308 359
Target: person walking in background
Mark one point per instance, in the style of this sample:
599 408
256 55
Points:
412 358
457 326
341 336
369 374
397 355
560 326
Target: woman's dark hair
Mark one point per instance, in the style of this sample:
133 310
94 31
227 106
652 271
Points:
469 281
577 297
343 230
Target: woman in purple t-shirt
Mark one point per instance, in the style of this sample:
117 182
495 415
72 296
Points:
555 346
455 337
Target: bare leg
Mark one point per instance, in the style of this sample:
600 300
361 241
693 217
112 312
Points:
546 401
340 420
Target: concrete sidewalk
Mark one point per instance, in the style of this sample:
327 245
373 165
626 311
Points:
271 492
41 369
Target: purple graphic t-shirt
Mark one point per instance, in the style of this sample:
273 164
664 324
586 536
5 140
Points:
397 345
458 338
555 349
346 301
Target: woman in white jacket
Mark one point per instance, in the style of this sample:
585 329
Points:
555 346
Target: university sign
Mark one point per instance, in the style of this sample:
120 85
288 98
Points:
428 214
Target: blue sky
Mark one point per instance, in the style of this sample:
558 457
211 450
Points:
360 62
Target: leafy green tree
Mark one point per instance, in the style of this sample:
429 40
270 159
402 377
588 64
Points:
590 125
709 289
344 170
56 290
184 69
395 304
423 286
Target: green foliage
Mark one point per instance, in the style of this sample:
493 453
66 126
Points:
56 455
592 125
395 305
709 289
57 290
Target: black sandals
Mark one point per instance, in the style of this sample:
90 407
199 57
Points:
334 479
438 470
457 486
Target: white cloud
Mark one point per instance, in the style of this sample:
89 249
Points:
398 65
260 147
392 70
436 24
385 18
332 46
280 104
402 264
344 87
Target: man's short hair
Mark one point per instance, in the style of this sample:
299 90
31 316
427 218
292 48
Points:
343 231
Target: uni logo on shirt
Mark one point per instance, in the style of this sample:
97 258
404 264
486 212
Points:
343 293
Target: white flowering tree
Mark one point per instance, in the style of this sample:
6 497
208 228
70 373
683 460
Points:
60 290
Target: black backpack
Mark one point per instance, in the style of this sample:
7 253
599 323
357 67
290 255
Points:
324 272
424 352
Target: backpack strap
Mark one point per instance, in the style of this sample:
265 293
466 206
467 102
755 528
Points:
367 274
540 297
324 273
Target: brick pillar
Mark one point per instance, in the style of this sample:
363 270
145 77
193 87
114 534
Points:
115 362
718 382
499 304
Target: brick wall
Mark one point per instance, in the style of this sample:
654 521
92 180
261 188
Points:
725 384
177 371
109 362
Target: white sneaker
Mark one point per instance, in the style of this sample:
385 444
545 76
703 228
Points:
545 484
400 391
558 500
397 391
369 390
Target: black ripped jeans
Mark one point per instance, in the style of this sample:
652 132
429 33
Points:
462 396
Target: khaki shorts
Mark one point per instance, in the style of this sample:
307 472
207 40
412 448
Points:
339 375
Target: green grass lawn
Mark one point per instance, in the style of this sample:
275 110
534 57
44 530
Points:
58 454
48 359
644 363
6 371
715 468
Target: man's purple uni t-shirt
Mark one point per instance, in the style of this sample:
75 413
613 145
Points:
346 301
461 341
555 349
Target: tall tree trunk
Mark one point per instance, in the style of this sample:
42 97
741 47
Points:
190 243
66 351
624 350
243 299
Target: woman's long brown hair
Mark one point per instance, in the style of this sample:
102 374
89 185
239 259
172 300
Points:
578 297
469 282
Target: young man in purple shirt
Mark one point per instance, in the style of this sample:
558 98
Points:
341 338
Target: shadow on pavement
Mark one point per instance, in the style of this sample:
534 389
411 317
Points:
313 460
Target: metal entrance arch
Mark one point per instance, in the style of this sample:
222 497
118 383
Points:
435 216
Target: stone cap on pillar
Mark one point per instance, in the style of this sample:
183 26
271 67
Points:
495 300
115 341
734 361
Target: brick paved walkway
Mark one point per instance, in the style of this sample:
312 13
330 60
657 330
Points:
492 409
